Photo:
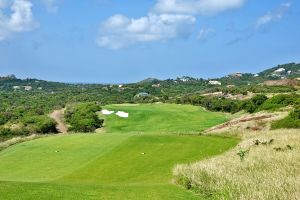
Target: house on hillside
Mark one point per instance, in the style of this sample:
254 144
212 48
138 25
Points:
236 74
16 87
279 71
142 94
156 85
214 83
27 88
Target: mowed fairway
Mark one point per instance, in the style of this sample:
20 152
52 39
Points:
132 159
162 118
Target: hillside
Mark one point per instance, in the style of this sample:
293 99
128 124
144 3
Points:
25 105
155 86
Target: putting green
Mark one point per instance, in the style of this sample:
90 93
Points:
112 165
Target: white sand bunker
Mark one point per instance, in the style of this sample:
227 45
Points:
107 112
122 114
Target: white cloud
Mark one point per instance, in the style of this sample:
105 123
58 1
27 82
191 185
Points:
120 31
205 33
168 19
196 7
20 20
273 16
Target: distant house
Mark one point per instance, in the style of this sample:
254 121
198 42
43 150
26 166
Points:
27 88
237 74
16 87
214 83
156 85
279 71
142 94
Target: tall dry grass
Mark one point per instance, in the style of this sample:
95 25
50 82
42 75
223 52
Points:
269 170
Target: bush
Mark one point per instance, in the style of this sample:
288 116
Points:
83 117
5 132
40 124
279 101
291 121
253 104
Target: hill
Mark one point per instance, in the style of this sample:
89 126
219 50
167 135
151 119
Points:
176 86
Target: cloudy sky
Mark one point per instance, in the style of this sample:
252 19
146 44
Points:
129 40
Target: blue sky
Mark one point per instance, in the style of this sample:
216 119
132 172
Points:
107 41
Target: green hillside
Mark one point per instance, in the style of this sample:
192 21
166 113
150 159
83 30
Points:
162 118
131 160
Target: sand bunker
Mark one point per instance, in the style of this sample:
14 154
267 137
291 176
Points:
107 112
122 114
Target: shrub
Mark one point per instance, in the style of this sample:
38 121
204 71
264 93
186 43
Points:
219 104
280 101
5 132
40 124
83 117
291 121
253 104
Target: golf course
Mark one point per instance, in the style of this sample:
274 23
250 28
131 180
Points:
129 158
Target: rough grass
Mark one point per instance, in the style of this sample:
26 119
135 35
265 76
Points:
269 170
111 165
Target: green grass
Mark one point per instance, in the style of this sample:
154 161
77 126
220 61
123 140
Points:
162 118
118 164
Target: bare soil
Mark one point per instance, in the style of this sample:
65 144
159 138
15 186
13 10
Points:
57 115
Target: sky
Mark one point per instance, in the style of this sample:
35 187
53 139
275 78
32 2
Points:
122 41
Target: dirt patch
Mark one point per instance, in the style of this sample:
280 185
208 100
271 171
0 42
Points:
58 116
253 122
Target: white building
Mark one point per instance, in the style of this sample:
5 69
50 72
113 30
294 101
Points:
214 83
280 70
16 87
27 88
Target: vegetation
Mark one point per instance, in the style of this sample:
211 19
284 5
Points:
281 100
132 160
269 170
291 121
254 103
83 117
162 118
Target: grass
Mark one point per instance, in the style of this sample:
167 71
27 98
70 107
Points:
269 170
162 118
118 164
